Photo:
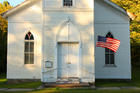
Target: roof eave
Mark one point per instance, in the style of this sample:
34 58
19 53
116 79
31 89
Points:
116 6
20 6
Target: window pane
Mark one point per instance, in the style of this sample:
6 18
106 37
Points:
26 46
107 50
32 37
31 46
109 54
107 59
67 2
29 49
109 35
27 58
26 37
31 58
112 59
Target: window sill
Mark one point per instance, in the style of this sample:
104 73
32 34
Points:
68 7
110 65
29 65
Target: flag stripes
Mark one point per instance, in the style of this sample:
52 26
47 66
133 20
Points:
110 43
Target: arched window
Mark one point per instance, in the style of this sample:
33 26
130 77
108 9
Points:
109 54
67 3
29 49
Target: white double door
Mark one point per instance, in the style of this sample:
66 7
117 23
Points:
68 60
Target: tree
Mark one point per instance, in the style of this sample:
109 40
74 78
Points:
134 7
3 36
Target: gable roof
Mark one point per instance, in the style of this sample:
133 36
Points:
18 7
115 6
27 2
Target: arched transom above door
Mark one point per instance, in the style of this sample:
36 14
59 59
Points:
68 33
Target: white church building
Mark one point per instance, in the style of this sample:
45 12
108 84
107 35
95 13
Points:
55 40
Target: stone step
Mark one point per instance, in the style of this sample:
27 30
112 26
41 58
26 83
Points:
63 82
62 79
69 80
66 85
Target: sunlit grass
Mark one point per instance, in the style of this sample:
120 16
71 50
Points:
3 80
83 91
55 90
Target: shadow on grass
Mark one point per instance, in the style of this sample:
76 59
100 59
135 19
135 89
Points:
3 84
83 91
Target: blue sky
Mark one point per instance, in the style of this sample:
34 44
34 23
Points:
13 2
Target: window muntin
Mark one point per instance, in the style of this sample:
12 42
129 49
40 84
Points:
29 49
109 54
67 3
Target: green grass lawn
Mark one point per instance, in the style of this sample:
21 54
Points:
83 91
54 90
135 82
3 84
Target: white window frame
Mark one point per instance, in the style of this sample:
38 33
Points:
28 52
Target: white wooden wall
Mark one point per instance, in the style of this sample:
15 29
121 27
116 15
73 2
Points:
108 19
29 18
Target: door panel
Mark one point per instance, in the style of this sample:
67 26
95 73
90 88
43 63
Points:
62 59
73 60
68 60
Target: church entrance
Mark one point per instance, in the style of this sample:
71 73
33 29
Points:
68 60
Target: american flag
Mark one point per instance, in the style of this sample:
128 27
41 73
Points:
110 43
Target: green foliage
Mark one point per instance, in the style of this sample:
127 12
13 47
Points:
135 38
3 22
3 36
133 6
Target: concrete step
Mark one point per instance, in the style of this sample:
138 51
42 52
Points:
71 82
66 85
68 80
